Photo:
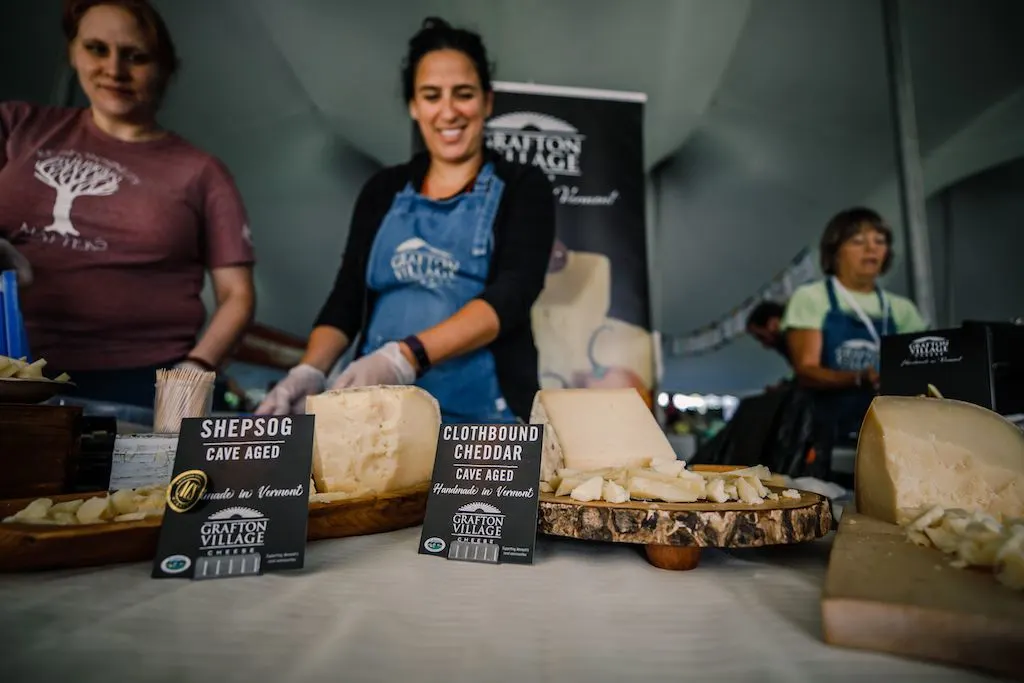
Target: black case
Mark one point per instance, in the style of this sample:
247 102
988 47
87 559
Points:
979 362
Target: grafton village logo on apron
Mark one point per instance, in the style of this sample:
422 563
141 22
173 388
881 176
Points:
416 261
72 175
856 354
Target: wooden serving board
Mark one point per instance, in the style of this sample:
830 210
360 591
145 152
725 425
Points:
30 547
674 533
886 594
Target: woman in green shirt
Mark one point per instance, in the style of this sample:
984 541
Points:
834 327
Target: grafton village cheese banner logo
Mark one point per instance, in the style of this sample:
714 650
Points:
552 145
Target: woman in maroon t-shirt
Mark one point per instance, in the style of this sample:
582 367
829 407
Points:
120 219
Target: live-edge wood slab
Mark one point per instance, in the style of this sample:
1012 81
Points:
30 547
886 594
674 533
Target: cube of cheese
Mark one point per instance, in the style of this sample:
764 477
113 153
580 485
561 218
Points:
613 493
916 452
371 440
589 429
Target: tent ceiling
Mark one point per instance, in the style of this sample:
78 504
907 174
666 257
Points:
346 56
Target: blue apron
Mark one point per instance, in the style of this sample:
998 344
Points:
429 259
847 344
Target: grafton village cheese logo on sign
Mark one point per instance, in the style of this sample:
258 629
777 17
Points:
238 498
233 531
552 145
928 350
484 493
481 521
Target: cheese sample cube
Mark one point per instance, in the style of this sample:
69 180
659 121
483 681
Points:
589 490
589 429
916 452
371 440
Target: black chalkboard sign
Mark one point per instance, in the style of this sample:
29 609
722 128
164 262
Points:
484 493
238 499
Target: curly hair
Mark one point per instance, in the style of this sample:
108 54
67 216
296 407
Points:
438 34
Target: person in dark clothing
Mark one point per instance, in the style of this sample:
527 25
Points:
764 323
446 255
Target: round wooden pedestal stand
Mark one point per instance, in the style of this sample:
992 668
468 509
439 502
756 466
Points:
673 534
672 557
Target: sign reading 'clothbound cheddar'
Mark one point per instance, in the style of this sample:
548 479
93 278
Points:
484 494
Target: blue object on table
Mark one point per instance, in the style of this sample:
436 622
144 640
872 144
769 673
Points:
13 339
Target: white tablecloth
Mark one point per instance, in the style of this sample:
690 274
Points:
372 609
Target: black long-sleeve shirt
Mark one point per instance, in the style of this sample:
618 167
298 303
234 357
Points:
524 234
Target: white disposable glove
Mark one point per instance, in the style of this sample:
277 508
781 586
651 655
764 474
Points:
385 366
12 259
289 395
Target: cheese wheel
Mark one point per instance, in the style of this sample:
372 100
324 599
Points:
371 440
915 453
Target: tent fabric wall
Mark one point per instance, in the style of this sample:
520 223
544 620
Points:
763 119
986 221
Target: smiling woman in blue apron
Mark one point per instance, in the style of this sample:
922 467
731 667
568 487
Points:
834 327
445 257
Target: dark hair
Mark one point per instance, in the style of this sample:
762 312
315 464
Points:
149 20
845 225
765 311
438 34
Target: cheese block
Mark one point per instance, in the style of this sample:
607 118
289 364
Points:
371 440
917 452
589 429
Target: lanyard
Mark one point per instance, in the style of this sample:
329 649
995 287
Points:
863 316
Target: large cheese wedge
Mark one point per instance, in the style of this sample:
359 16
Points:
588 429
921 452
371 440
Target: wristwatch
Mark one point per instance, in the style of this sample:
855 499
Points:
419 352
205 365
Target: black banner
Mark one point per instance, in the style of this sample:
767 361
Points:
592 323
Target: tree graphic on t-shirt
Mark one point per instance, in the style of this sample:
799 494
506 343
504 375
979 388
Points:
73 176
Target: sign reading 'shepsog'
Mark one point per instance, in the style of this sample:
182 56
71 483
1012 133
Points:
484 493
238 499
